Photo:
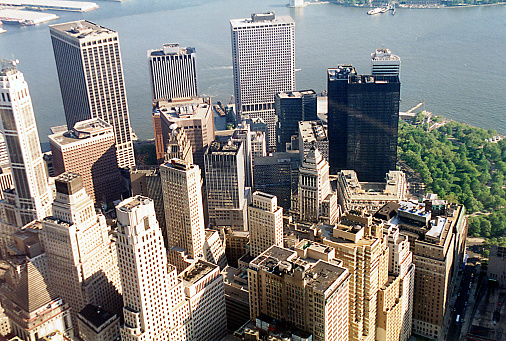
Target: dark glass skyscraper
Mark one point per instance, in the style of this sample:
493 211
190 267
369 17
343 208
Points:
363 118
292 107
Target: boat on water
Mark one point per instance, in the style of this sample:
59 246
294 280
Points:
376 10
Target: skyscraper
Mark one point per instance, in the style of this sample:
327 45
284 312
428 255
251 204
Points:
89 68
363 118
173 72
154 306
89 150
384 63
263 56
81 257
226 194
31 198
292 107
265 221
182 197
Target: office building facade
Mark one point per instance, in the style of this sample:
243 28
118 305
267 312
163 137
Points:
81 256
306 287
90 71
363 118
173 72
291 107
384 63
265 221
263 56
89 150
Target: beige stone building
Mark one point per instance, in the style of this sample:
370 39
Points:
82 263
305 287
265 220
359 243
89 150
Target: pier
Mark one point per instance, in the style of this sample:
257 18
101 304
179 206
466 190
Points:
54 5
18 17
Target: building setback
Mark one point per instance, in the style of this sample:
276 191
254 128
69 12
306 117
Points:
263 56
363 118
89 150
173 72
89 68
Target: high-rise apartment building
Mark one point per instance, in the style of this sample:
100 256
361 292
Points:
263 56
363 118
292 107
89 68
173 72
194 116
89 150
359 243
316 200
154 306
226 194
81 257
306 287
31 198
182 197
384 63
265 221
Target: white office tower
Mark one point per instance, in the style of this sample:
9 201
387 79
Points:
31 198
263 56
317 202
184 213
154 306
384 63
265 221
173 72
89 68
81 257
205 292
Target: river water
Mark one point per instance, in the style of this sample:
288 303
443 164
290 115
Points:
453 59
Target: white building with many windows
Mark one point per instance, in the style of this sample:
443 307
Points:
265 220
263 56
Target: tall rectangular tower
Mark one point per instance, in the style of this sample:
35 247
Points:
89 68
292 107
363 118
263 56
184 213
384 63
173 72
32 197
265 221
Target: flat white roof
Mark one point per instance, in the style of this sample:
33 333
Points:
36 17
248 22
55 4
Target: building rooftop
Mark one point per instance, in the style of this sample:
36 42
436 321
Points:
177 109
295 94
96 316
197 271
261 19
384 54
230 147
171 50
392 189
128 204
83 130
312 131
341 72
82 29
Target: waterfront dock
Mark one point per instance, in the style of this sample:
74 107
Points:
19 17
53 5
